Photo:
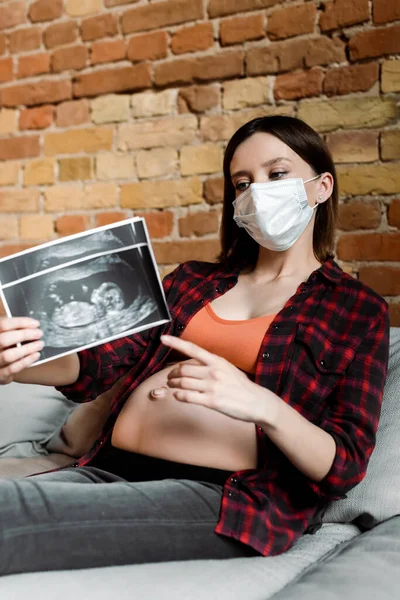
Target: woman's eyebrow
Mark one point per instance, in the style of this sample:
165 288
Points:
268 163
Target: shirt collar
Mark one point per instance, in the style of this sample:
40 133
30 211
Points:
331 270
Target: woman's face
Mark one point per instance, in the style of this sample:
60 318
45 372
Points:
264 158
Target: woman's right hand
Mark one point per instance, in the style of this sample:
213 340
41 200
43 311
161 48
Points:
14 358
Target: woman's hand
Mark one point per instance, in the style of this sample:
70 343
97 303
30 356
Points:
13 358
215 383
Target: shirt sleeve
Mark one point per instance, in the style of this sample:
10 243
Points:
353 419
102 366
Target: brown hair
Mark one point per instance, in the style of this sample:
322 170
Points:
238 248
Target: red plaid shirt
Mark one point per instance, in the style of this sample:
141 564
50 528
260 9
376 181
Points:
325 354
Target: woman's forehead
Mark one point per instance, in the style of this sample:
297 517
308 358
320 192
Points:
258 149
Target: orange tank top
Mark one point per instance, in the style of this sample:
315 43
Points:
237 341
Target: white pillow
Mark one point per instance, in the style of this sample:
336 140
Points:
29 417
377 497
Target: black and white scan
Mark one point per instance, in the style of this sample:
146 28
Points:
87 290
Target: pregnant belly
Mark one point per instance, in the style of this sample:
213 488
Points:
186 433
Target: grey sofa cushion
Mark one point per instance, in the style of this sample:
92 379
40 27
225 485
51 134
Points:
377 497
367 568
237 579
29 417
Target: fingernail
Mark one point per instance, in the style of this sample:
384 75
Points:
166 338
158 392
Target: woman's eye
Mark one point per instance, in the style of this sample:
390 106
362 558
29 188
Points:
278 174
241 186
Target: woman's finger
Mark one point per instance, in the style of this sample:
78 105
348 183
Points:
187 369
11 323
14 355
7 373
19 336
188 383
189 349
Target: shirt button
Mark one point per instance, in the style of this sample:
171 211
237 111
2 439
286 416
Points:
276 326
234 480
230 494
322 363
266 355
218 290
302 289
180 327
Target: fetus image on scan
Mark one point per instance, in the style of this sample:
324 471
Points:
92 299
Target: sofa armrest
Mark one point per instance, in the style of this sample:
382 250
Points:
366 567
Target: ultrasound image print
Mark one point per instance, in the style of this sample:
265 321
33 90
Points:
88 289
91 301
62 251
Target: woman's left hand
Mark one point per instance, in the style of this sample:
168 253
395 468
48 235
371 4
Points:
215 383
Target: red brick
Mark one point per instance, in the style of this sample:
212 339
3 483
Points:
359 215
224 65
290 21
108 218
61 34
73 112
221 8
199 223
33 64
149 46
159 223
198 98
24 40
294 54
376 42
161 14
301 84
99 27
242 29
64 59
110 3
394 214
384 280
13 13
113 80
385 11
37 118
45 10
181 251
20 147
42 92
356 78
193 39
214 190
341 13
394 314
9 249
369 246
70 224
107 51
6 69
3 41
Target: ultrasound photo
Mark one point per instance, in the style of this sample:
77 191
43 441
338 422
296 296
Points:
87 289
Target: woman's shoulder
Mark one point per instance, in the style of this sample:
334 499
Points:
361 297
196 269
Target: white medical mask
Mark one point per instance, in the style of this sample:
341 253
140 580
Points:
276 213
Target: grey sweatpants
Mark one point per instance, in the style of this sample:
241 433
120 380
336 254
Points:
86 517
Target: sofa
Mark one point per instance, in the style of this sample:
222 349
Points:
354 555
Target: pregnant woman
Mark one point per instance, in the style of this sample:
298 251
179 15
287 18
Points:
234 425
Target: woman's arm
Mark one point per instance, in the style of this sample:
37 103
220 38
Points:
58 372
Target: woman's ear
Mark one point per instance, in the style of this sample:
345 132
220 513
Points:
325 187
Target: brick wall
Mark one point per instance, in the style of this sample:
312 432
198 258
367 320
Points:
117 107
